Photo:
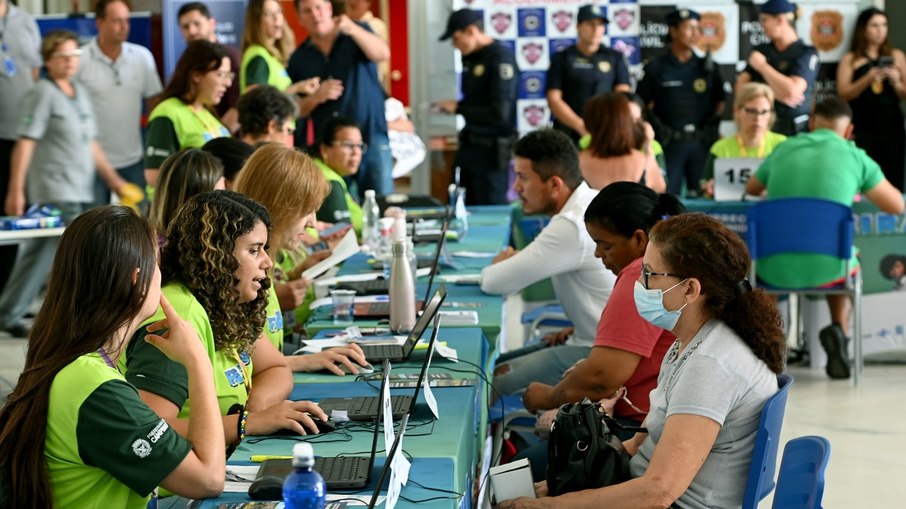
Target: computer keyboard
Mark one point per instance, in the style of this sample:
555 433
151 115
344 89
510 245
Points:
342 468
382 351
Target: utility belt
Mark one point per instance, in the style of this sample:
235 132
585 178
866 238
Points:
486 140
691 132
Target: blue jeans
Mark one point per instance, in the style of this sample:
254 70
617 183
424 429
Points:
134 173
376 170
536 363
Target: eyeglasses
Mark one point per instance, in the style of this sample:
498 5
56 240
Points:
647 274
66 54
349 146
290 130
757 113
225 75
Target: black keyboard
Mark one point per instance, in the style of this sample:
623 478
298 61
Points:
370 405
382 351
342 469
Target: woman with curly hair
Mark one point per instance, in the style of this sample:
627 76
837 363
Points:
291 187
182 176
214 268
714 380
70 432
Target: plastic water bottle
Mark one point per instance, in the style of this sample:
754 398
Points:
304 488
370 215
402 289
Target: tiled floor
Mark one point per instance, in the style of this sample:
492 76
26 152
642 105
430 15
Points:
866 427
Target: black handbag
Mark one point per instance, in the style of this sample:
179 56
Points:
584 450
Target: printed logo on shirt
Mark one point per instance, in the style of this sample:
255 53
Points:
141 448
506 72
562 20
158 431
275 323
699 85
235 375
813 62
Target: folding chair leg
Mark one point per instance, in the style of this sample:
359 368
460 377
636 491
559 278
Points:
857 330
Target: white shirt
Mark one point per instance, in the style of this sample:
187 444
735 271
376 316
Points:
564 252
117 89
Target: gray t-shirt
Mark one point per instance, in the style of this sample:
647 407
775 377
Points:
116 89
62 169
19 54
721 380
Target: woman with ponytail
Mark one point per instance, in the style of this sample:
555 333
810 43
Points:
74 433
714 380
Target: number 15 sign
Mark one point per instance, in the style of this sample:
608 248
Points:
731 175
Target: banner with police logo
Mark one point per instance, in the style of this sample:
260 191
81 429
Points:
537 29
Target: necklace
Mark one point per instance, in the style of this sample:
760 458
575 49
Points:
674 352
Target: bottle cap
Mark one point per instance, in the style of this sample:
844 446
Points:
369 193
303 455
399 230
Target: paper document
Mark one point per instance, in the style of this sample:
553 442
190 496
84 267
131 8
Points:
346 248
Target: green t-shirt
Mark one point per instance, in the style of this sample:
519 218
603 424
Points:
287 261
149 369
260 67
273 325
173 125
728 147
105 447
819 164
339 206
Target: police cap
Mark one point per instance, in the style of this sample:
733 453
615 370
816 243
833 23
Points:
677 16
459 20
590 12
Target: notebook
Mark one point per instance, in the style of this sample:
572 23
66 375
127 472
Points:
355 407
339 472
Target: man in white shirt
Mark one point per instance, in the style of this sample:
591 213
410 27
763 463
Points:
118 76
549 182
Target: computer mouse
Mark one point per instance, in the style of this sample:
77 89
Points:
266 488
363 370
323 427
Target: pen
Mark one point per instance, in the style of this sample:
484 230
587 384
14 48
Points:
258 458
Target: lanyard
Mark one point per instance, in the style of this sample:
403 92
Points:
744 150
247 380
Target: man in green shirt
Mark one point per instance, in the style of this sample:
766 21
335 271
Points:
822 164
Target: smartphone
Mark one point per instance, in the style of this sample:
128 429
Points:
885 61
337 228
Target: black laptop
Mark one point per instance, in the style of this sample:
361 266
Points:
339 472
398 353
364 408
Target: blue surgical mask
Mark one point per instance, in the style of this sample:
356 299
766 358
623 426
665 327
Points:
650 304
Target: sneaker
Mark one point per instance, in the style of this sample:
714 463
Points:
834 342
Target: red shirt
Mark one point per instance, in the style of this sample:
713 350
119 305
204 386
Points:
621 327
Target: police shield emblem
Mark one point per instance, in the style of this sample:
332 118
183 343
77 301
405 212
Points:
827 30
624 18
699 85
714 31
506 71
562 20
533 114
478 71
532 52
604 66
501 21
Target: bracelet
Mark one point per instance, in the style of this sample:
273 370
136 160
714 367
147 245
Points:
241 424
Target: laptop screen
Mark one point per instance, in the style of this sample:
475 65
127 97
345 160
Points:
431 308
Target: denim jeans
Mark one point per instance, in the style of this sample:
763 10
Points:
376 169
536 364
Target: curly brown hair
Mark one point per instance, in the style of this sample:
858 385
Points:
697 245
201 239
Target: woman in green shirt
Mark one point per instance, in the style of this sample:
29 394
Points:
753 112
266 46
74 433
341 149
184 118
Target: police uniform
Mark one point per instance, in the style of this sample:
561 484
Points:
799 59
580 77
489 107
685 97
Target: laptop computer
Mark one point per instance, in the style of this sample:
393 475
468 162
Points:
363 408
339 472
389 462
382 286
397 353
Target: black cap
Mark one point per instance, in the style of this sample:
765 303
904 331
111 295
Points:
590 12
677 16
778 7
460 20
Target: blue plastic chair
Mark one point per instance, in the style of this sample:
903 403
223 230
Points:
547 316
767 440
813 226
800 484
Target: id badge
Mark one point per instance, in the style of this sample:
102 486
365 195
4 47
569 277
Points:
9 66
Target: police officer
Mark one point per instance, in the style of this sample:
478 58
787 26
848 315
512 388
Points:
582 71
786 64
488 105
685 96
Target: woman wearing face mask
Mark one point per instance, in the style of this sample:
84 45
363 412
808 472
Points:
214 267
628 350
613 153
714 380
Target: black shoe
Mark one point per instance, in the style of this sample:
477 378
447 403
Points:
834 342
18 331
